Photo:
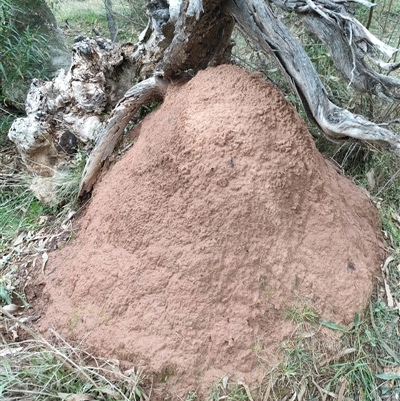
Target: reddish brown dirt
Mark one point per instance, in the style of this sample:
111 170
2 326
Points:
221 218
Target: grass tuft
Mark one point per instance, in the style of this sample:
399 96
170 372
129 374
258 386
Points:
37 369
300 315
19 209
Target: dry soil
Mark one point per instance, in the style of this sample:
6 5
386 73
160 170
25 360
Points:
221 218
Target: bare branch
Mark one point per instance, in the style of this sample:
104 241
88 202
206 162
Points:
257 20
142 93
348 43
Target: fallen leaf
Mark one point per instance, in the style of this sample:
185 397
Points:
64 224
14 333
389 259
387 376
12 308
396 217
130 372
334 326
371 179
267 392
45 258
337 356
43 219
307 334
302 391
19 239
341 391
389 296
247 389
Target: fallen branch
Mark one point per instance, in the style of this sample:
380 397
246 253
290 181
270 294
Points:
143 93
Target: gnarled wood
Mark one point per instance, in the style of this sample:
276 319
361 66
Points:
184 36
350 61
190 49
72 106
349 44
196 44
257 20
142 93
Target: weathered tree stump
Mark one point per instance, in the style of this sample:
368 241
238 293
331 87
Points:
92 102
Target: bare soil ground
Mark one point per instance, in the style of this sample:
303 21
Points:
222 217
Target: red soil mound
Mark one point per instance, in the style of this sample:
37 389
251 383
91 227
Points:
219 219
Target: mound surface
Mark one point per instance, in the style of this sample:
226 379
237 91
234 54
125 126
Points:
218 220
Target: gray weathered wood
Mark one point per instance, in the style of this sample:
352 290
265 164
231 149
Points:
143 93
256 20
73 105
349 45
185 36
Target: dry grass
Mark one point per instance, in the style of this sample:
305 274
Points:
77 17
365 365
37 369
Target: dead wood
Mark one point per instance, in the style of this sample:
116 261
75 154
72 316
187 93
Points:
257 20
142 93
185 36
349 44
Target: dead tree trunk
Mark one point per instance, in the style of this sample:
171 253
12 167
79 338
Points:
184 36
256 19
111 21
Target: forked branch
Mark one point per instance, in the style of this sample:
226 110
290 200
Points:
350 45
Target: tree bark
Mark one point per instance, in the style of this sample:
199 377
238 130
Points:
256 19
143 93
111 21
184 36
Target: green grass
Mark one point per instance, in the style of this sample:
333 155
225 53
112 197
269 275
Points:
23 56
19 211
303 314
365 363
77 17
35 370
22 215
360 367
